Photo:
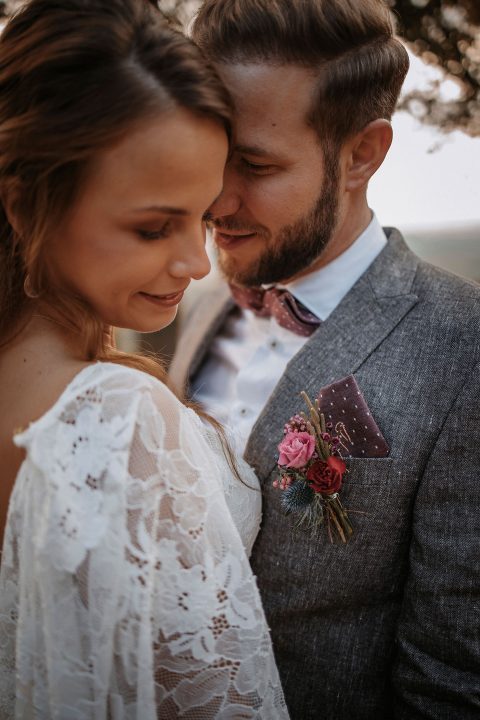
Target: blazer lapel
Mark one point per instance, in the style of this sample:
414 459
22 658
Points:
364 318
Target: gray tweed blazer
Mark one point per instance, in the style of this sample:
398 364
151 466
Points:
387 626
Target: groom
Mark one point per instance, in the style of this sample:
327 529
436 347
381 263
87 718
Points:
386 625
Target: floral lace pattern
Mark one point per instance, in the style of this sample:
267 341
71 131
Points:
125 591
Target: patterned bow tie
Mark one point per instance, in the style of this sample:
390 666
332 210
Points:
280 304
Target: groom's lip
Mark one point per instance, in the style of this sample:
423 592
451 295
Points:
229 241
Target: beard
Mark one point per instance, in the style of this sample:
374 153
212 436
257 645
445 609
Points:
295 247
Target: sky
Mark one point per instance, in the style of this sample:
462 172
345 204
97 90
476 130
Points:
429 179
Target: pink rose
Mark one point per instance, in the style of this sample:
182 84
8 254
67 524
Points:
296 449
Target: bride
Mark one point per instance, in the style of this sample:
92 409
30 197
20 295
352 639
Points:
125 589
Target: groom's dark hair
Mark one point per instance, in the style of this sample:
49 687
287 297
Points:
350 43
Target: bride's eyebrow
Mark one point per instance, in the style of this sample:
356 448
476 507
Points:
163 209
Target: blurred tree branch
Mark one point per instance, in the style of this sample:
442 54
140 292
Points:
444 33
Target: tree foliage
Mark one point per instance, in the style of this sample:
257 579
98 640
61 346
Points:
444 33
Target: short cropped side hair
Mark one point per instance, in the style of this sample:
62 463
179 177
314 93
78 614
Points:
361 65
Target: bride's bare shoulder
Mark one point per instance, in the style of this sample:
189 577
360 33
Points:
29 387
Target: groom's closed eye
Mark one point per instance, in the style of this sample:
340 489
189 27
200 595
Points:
255 160
257 168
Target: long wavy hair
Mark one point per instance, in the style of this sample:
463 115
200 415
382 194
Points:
75 76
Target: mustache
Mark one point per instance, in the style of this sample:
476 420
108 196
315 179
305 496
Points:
233 224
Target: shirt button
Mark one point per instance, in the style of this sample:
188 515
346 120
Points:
273 344
243 411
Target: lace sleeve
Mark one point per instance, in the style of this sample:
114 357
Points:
139 601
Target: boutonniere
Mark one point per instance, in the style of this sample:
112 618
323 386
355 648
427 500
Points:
311 471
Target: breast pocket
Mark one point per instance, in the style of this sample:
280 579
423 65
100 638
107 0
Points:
380 489
368 471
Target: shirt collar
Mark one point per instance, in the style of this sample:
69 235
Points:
322 290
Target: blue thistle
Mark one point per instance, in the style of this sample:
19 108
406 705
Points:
297 497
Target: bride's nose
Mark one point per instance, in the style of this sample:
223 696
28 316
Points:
191 259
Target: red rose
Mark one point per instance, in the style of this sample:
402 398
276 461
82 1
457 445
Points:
326 477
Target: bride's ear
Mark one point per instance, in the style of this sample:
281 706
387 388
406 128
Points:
366 152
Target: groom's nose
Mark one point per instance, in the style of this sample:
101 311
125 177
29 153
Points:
229 201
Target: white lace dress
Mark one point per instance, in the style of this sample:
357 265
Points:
125 591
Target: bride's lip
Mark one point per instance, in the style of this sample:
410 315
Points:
164 300
230 240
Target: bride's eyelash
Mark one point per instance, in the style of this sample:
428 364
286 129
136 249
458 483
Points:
156 234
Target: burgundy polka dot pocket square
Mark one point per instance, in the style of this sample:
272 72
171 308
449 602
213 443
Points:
343 402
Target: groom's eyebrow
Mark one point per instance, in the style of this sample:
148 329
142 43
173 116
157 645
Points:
256 150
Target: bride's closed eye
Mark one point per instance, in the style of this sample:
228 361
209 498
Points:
156 233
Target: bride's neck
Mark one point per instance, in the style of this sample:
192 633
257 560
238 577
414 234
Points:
43 340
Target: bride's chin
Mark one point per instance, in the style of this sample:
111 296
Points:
147 325
145 328
146 319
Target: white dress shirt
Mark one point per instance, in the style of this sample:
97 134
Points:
249 356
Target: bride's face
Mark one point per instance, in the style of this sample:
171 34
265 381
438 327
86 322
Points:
135 236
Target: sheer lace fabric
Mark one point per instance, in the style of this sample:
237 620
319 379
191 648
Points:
125 591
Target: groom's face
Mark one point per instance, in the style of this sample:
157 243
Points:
277 212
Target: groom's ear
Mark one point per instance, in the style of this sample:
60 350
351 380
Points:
366 151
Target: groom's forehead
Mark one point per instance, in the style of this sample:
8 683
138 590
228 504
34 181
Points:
277 95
